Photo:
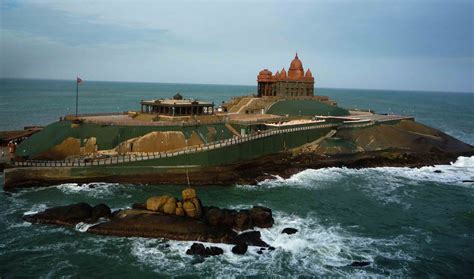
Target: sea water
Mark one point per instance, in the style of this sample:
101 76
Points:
406 222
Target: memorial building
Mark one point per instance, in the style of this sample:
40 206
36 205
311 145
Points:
296 84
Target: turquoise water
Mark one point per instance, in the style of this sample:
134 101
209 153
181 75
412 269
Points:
406 222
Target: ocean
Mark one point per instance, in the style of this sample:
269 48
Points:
406 222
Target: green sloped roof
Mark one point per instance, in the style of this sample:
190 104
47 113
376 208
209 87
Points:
107 136
305 107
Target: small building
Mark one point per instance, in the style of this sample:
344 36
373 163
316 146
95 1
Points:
177 106
295 85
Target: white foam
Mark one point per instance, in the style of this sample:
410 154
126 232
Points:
95 189
36 209
315 250
83 227
455 173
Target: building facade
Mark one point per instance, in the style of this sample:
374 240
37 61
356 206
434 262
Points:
293 85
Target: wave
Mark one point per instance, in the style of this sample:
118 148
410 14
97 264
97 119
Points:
315 250
455 173
94 190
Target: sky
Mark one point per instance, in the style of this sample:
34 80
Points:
399 45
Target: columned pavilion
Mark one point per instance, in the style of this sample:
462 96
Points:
177 106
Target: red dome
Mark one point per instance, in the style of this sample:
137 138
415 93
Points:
296 70
265 72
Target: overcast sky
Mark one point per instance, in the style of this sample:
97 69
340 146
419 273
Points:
413 45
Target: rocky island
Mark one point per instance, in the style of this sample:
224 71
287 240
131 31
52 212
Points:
282 129
169 218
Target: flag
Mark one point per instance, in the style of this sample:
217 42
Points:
79 80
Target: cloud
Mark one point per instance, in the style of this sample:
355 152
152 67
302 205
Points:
68 28
395 45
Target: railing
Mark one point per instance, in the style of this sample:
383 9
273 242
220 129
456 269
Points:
135 157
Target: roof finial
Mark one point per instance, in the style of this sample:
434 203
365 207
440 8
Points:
296 56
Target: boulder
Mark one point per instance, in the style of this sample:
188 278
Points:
180 211
63 215
200 250
189 209
100 211
198 206
240 248
289 231
252 238
188 194
261 217
228 220
170 206
242 221
214 216
156 203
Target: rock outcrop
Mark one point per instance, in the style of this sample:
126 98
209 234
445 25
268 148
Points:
70 215
200 250
189 206
158 217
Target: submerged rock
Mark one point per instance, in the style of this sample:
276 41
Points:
360 263
252 238
240 248
289 231
200 250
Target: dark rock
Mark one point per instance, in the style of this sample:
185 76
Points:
139 206
100 211
271 248
252 238
242 221
228 220
259 252
468 181
132 222
289 231
437 171
261 217
62 215
240 249
214 216
200 250
360 263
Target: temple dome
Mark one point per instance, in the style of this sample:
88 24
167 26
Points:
265 72
283 73
296 70
308 73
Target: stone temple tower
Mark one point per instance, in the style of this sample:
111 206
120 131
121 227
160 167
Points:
296 84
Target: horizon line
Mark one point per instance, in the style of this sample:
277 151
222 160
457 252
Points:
228 84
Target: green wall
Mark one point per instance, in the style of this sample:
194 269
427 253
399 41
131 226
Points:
305 107
107 136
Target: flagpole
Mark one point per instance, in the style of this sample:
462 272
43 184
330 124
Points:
77 95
